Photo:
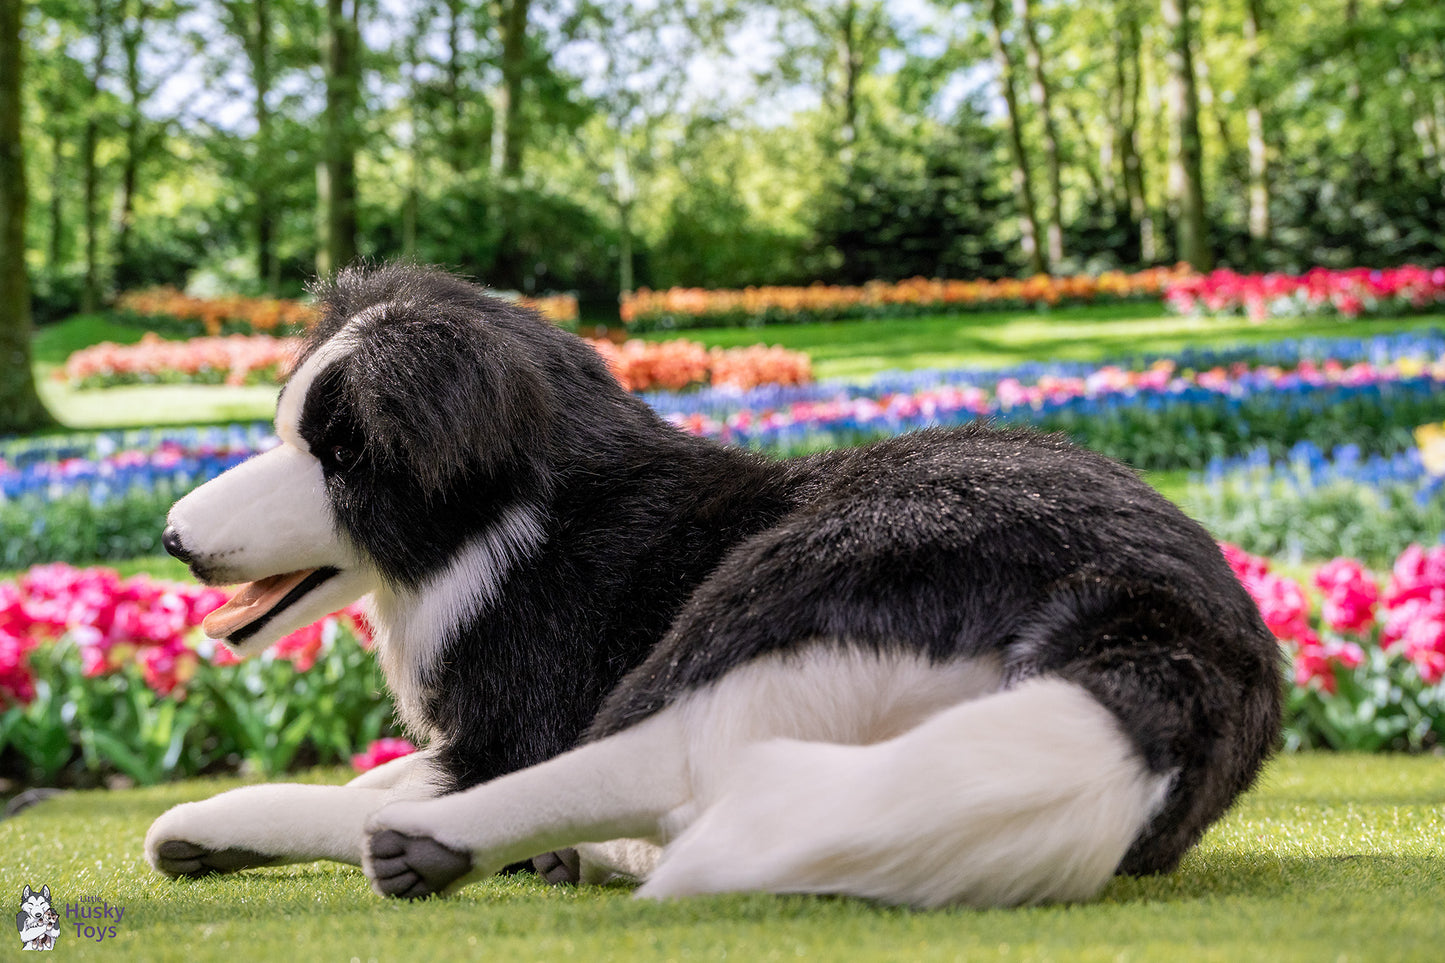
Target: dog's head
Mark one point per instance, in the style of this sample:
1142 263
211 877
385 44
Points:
34 905
418 418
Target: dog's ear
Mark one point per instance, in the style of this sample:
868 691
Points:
45 892
25 893
448 396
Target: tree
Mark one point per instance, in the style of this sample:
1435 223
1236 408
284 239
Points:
20 406
251 23
1042 101
336 175
1022 179
507 140
100 29
1186 169
1259 226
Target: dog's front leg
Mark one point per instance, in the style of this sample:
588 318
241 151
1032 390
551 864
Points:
281 823
623 786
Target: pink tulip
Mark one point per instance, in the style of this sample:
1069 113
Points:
381 751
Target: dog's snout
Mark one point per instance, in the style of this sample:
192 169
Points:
171 541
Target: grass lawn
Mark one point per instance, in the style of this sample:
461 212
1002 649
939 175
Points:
1331 858
849 349
858 349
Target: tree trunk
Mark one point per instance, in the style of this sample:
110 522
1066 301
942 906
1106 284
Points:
507 127
1022 182
132 30
1186 164
1259 224
20 407
336 182
1128 74
850 53
268 265
1040 94
55 248
90 181
1101 180
455 138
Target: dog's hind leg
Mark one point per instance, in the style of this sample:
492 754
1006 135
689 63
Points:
592 864
1026 795
281 823
623 786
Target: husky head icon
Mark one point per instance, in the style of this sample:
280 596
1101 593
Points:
37 920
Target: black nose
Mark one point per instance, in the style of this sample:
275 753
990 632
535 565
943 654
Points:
171 540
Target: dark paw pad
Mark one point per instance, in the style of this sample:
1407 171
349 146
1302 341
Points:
176 857
413 867
557 868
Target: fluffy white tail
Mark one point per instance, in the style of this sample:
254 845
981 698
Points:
1026 795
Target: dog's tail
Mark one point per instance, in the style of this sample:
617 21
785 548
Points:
1030 794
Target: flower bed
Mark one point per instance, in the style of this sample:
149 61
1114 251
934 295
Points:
1349 294
675 365
1314 504
250 359
104 495
236 359
101 675
101 496
647 310
165 308
168 309
1368 659
1160 418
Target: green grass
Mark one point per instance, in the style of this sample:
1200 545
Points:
1331 858
136 406
858 349
53 343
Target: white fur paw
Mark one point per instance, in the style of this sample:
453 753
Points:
181 843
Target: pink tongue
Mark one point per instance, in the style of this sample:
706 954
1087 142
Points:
253 600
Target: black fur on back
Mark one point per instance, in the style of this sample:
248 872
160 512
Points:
669 560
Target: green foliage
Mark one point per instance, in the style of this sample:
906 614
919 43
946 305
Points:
513 236
1373 523
78 528
681 138
1382 704
923 201
266 714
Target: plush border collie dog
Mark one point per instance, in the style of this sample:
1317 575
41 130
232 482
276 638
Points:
969 666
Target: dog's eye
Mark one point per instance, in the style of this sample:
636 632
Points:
342 457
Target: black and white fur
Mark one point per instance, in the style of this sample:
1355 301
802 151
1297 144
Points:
966 666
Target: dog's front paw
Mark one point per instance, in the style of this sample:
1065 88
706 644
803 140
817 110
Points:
177 857
184 842
412 867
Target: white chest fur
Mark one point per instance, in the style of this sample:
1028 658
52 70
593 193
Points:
415 626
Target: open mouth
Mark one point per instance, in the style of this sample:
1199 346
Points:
257 603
